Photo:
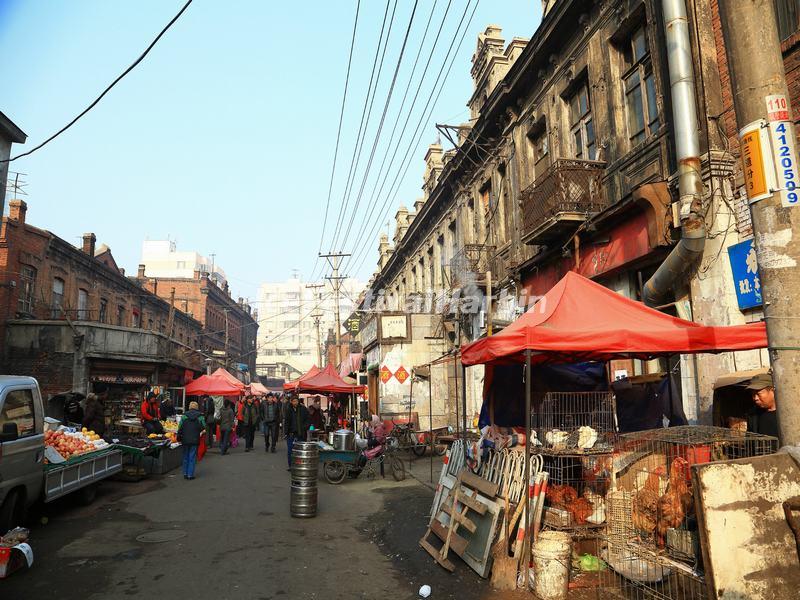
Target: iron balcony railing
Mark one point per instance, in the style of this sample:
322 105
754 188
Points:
570 190
470 264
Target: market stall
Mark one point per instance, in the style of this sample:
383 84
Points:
579 321
291 386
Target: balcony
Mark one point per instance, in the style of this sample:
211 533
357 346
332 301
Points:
470 264
560 199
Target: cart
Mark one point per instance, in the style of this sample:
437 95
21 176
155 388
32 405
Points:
338 464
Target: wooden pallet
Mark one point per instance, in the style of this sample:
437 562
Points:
460 502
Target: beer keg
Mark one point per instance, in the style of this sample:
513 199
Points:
304 495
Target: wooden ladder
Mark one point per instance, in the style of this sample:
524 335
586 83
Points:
459 504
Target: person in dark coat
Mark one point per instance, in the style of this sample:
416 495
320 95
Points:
226 417
94 415
249 422
295 425
270 413
190 430
208 412
167 409
315 417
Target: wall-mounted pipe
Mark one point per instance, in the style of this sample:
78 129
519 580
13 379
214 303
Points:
687 149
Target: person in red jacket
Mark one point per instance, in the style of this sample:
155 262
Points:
150 415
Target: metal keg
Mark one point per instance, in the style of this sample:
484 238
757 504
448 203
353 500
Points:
305 461
303 500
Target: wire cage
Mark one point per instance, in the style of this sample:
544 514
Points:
654 501
575 422
576 489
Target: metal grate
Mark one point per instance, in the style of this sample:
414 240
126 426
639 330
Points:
567 421
470 263
568 186
576 492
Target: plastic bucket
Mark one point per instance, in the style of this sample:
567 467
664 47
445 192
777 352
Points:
551 561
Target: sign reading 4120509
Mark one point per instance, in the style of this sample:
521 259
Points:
782 138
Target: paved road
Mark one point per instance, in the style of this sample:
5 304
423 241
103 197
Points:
234 539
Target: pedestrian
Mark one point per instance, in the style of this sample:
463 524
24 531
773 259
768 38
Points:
208 412
315 417
167 409
190 430
225 426
94 415
270 419
295 425
149 414
763 392
249 422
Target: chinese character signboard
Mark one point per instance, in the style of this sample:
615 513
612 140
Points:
386 374
758 174
401 374
744 266
394 327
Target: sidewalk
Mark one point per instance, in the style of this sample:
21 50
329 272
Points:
420 468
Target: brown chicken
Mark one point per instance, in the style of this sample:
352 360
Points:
676 503
645 505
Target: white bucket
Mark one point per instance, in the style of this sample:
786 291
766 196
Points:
551 559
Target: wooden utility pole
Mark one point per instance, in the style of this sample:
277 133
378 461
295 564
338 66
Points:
334 259
317 316
767 137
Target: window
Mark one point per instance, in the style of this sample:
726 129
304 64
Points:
27 288
539 141
83 305
18 408
121 316
103 315
57 303
640 88
788 14
584 145
136 319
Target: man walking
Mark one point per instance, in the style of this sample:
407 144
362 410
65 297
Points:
249 422
295 425
270 417
189 432
225 427
209 410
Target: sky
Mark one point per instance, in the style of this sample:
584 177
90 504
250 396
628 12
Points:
223 138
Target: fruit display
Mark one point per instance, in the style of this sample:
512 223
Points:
170 426
69 444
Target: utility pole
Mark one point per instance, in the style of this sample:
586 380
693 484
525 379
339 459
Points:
317 316
767 136
225 310
336 281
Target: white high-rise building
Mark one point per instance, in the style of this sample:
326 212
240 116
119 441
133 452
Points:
287 330
161 258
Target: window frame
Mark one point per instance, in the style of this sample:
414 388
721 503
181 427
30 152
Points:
638 64
57 298
83 304
102 313
582 123
27 289
30 401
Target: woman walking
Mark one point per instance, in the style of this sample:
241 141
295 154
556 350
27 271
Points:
191 428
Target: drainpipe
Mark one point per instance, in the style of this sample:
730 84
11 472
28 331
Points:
687 149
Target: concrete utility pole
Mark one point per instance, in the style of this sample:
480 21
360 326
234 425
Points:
317 316
763 116
336 282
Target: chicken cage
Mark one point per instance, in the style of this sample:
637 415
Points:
576 489
575 422
653 502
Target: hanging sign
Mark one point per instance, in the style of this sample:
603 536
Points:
781 132
386 374
401 374
744 266
759 174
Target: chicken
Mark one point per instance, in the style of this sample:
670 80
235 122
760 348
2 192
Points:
561 495
676 503
644 511
598 507
580 509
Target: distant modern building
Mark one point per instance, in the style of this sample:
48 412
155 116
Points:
161 258
289 337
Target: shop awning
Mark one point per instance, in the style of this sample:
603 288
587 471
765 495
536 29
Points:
580 320
225 376
292 385
328 381
212 386
256 389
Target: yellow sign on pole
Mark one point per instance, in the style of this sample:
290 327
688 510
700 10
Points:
758 175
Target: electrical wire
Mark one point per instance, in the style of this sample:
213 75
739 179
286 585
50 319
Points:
105 91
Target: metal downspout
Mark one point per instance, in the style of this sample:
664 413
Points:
687 149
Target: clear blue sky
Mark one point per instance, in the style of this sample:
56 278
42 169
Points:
223 137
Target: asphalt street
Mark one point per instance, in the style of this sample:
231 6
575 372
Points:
228 535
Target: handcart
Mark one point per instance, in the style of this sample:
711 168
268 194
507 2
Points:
338 464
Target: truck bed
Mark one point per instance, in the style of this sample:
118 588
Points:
62 479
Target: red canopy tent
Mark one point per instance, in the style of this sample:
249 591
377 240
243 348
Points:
580 320
212 386
292 385
225 376
258 389
328 381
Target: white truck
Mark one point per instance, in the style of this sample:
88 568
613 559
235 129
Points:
24 476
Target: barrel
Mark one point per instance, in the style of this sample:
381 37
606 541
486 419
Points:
552 554
305 461
303 500
305 464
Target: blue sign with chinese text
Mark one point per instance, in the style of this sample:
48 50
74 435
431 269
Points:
744 265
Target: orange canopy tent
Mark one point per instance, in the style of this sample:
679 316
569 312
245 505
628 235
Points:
328 381
580 320
212 386
225 376
292 385
257 389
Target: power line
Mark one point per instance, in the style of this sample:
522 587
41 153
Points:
366 112
339 131
108 89
418 133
